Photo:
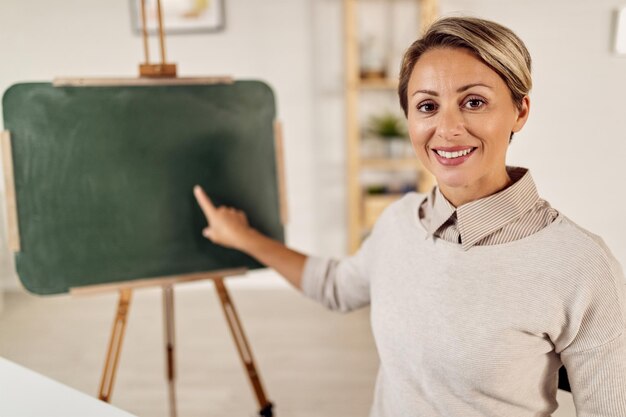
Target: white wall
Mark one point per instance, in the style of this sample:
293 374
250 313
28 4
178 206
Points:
268 40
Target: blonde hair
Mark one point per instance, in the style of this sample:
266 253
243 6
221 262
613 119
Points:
497 46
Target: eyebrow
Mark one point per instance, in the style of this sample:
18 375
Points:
459 90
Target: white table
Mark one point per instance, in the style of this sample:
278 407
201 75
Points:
25 393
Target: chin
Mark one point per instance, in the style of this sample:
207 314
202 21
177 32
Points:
456 180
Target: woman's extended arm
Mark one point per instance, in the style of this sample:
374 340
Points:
229 227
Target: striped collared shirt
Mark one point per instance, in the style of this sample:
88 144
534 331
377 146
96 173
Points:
508 215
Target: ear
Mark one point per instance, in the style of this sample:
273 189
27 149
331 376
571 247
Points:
522 115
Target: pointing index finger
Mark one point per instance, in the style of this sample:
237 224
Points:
204 201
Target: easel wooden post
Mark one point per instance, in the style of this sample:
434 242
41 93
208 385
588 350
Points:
115 346
242 346
168 321
148 69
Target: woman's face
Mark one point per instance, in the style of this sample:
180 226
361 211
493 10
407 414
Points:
460 119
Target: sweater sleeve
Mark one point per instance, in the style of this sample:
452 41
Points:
344 285
598 379
596 358
341 285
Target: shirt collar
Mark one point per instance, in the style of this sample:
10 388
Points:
437 211
478 219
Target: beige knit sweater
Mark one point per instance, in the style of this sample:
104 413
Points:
483 332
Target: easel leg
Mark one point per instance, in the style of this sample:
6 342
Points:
243 347
115 346
168 315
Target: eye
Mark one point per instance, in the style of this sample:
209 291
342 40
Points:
474 103
427 107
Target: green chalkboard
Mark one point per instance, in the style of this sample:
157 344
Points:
104 178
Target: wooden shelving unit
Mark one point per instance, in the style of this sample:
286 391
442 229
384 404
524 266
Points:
363 209
377 84
391 163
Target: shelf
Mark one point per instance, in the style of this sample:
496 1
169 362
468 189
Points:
391 164
380 199
373 206
376 84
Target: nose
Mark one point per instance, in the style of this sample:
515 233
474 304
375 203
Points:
450 123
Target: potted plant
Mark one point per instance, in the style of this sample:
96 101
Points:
391 129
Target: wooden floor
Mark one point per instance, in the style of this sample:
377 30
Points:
313 363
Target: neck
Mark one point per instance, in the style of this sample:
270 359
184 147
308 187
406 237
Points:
464 194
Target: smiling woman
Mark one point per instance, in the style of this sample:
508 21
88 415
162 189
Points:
480 291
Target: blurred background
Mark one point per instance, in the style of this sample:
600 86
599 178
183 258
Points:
574 144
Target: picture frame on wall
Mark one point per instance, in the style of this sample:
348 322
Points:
179 16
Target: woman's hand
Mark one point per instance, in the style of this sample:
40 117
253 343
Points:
227 226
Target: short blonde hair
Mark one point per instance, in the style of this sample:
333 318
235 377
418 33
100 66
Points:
497 46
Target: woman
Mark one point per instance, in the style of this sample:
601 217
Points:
479 291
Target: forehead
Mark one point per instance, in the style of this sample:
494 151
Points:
443 68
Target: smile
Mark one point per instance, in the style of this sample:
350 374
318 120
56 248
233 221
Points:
455 154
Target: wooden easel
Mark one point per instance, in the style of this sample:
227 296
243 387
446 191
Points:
155 74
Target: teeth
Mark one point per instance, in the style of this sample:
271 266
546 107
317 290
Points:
450 155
